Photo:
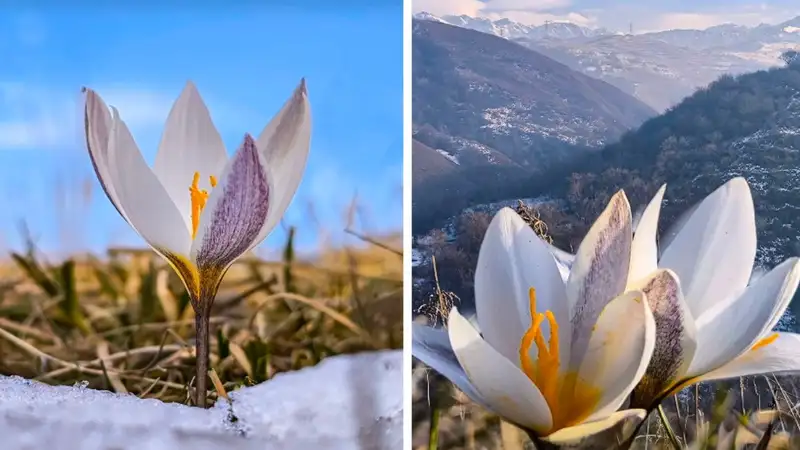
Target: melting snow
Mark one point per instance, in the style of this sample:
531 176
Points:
448 156
352 402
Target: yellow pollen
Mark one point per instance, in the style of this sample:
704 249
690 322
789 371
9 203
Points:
199 198
765 341
570 399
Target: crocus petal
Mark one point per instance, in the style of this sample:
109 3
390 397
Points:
498 381
513 259
644 252
599 272
235 211
780 356
98 123
728 330
714 251
615 361
600 434
432 347
190 143
147 205
284 145
563 259
675 338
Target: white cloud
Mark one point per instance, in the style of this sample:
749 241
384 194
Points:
644 16
40 118
742 16
445 7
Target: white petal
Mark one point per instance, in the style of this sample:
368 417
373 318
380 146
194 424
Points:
599 273
513 259
564 261
148 207
190 143
284 143
714 251
644 252
432 347
675 338
499 382
98 122
781 356
605 433
728 330
619 350
235 212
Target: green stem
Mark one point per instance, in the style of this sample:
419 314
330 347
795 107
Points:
671 434
433 436
201 322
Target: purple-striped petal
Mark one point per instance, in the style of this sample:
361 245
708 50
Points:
675 338
235 212
599 272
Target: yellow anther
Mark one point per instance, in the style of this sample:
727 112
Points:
199 197
570 399
765 341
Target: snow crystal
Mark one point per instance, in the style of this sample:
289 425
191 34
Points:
351 402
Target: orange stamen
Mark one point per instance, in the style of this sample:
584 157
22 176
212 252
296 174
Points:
199 197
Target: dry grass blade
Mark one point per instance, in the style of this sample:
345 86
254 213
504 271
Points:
124 322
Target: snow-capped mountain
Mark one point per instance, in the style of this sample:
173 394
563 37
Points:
509 29
659 68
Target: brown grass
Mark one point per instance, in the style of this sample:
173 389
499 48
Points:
123 322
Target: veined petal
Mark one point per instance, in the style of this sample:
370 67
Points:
513 259
147 205
728 330
599 272
284 144
235 211
644 252
599 435
432 347
190 143
498 381
780 356
675 338
619 350
714 251
98 123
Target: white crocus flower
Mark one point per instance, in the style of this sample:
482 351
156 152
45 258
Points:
196 207
549 357
714 320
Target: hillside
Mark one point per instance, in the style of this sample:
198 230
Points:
744 126
658 68
485 100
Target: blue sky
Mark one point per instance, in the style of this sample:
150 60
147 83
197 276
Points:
245 61
646 15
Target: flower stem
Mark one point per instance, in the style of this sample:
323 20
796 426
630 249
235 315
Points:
433 434
201 323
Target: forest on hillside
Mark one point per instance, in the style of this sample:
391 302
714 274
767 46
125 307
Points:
747 125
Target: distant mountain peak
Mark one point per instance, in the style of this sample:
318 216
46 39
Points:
509 29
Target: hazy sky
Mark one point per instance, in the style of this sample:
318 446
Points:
646 15
245 62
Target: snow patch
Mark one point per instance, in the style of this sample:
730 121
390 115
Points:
352 402
449 156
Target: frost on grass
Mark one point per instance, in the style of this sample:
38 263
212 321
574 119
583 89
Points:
345 403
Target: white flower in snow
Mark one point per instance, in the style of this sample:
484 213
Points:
558 360
196 207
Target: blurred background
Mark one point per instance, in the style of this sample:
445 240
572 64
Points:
76 282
